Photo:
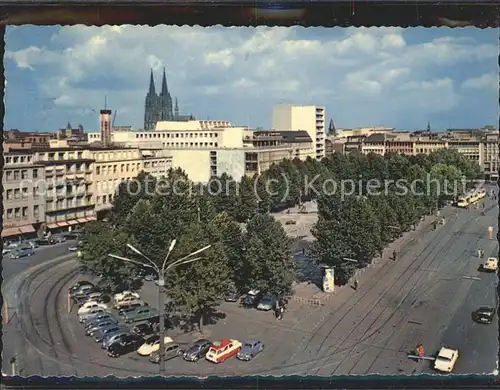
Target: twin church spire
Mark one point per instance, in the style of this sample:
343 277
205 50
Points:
159 107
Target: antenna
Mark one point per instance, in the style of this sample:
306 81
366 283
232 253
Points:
105 102
114 117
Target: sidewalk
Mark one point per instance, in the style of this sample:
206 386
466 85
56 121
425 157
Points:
310 294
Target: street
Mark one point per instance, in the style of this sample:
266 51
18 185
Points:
423 297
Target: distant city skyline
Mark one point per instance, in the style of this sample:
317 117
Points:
392 77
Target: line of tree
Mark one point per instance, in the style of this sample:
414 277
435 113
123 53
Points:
250 248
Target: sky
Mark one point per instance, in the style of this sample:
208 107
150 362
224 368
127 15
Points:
392 77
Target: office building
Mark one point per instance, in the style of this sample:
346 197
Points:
23 198
309 118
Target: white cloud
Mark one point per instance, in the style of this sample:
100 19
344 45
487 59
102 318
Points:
342 69
486 81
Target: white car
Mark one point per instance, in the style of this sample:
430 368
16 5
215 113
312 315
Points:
491 264
125 294
446 359
128 301
152 344
91 305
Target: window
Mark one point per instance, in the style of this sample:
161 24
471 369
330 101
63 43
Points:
16 175
35 173
9 194
16 160
104 199
9 176
98 170
80 155
128 167
17 212
25 212
9 214
17 193
115 168
25 193
36 211
122 167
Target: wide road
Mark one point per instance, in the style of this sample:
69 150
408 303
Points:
423 297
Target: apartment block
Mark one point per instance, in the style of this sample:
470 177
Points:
309 118
112 165
23 200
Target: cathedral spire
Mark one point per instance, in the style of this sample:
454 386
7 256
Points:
429 126
152 84
331 129
176 113
164 88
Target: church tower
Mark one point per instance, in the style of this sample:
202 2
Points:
151 106
331 129
165 101
176 113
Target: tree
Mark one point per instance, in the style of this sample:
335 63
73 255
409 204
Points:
268 255
99 240
247 200
130 192
198 286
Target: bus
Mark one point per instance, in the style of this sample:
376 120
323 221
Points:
471 197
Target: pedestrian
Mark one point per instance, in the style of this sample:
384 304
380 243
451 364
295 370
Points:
281 309
356 284
276 313
394 256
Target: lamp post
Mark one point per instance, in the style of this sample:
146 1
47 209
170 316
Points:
161 284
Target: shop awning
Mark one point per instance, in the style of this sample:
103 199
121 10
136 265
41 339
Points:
81 220
72 222
62 224
52 225
91 219
10 232
27 229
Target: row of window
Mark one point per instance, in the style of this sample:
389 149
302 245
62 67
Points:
21 212
18 159
191 144
115 155
53 156
105 199
21 193
176 135
65 204
22 174
133 167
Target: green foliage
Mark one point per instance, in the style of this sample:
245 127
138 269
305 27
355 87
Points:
268 257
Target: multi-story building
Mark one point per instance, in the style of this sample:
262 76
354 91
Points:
207 148
35 138
68 186
72 135
23 197
115 164
490 156
312 119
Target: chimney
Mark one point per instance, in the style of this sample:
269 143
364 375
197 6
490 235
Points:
105 119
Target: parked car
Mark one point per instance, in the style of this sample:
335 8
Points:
128 301
107 341
197 350
152 344
59 239
172 351
99 325
141 314
268 302
251 299
125 345
32 244
124 294
99 318
130 308
100 334
143 329
232 295
155 322
79 284
88 306
446 359
223 350
21 252
72 236
91 314
484 315
250 349
83 290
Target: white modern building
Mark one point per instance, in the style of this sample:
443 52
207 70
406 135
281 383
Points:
308 118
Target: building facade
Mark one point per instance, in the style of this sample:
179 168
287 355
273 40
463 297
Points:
210 148
23 197
309 118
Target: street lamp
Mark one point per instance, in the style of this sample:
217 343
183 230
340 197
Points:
161 283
